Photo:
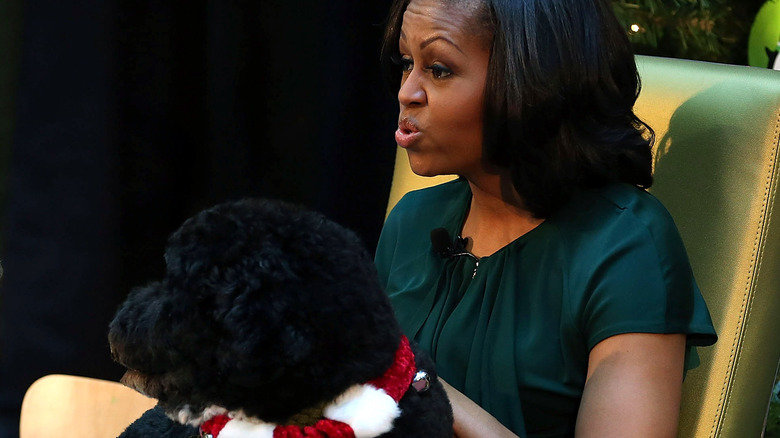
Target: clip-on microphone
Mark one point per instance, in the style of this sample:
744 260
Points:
448 248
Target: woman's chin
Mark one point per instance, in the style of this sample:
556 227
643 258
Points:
427 169
427 172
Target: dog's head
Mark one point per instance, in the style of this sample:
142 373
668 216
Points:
265 308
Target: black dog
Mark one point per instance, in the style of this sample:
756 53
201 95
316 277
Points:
270 322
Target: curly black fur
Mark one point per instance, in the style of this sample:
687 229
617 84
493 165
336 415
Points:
265 308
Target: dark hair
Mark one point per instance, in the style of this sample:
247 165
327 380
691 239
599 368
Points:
561 87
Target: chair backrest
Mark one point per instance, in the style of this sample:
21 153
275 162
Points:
60 405
716 158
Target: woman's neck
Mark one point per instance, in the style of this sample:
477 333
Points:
496 216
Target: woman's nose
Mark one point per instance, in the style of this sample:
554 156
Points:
411 92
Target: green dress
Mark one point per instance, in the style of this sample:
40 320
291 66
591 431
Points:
515 337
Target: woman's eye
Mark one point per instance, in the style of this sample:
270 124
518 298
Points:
439 71
406 64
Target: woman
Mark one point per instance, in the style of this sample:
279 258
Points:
569 306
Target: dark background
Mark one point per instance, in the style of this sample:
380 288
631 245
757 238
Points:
119 119
122 118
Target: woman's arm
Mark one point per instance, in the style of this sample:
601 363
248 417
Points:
633 387
471 420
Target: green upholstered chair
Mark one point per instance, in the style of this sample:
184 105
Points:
716 158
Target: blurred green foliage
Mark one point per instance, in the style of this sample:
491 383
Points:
705 30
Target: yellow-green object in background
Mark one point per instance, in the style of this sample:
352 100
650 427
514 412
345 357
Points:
764 35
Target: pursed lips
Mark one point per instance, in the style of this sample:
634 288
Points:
407 132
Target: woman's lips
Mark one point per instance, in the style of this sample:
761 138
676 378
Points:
407 133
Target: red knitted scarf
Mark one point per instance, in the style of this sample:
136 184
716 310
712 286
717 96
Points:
395 382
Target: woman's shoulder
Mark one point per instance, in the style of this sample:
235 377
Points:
618 217
611 207
442 191
431 201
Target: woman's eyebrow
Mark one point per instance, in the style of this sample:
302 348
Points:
428 41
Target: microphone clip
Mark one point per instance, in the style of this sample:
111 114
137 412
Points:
443 245
446 247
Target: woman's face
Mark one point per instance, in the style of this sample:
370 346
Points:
442 90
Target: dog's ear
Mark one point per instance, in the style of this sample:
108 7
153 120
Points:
143 334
